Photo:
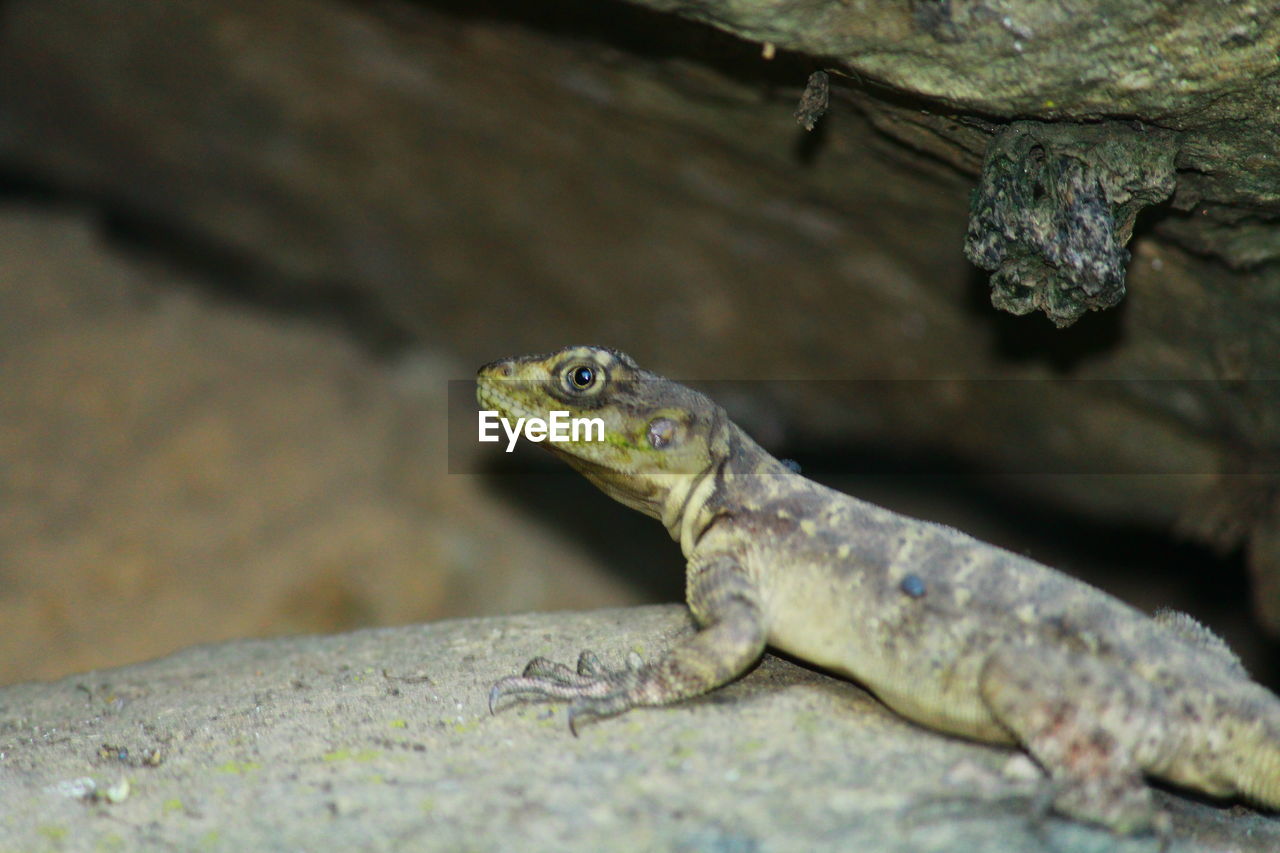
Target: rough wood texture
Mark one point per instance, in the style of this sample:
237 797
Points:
502 178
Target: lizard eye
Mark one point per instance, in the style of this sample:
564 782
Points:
662 431
581 377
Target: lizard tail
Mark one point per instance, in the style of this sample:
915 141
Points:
1256 765
1262 784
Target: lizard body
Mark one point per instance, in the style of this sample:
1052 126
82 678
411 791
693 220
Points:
948 631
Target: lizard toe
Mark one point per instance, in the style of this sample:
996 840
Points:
544 668
531 688
589 665
593 687
617 702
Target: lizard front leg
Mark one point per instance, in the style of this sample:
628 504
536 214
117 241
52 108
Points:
731 637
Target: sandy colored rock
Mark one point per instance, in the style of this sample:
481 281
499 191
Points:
381 740
176 469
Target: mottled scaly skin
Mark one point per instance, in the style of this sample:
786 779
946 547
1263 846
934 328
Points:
948 631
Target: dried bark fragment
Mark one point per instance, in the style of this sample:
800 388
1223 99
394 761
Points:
814 100
1054 209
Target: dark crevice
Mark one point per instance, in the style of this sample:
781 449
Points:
219 271
1033 338
242 278
643 34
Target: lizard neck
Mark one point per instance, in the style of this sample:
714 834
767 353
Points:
691 505
686 512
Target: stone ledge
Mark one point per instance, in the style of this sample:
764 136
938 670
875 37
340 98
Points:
381 740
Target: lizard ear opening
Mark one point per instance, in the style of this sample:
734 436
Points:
662 432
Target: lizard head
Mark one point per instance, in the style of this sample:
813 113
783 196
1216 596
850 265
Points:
658 438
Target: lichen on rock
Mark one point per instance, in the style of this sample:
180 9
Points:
1054 209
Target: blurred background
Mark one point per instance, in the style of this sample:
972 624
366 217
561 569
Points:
246 246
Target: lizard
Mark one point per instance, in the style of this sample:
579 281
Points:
950 632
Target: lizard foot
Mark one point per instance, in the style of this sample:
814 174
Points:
592 690
1125 809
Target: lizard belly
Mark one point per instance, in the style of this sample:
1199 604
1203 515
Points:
958 712
926 682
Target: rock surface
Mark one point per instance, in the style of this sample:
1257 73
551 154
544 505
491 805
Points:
381 740
1204 79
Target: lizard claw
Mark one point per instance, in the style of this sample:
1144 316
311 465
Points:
575 711
496 692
